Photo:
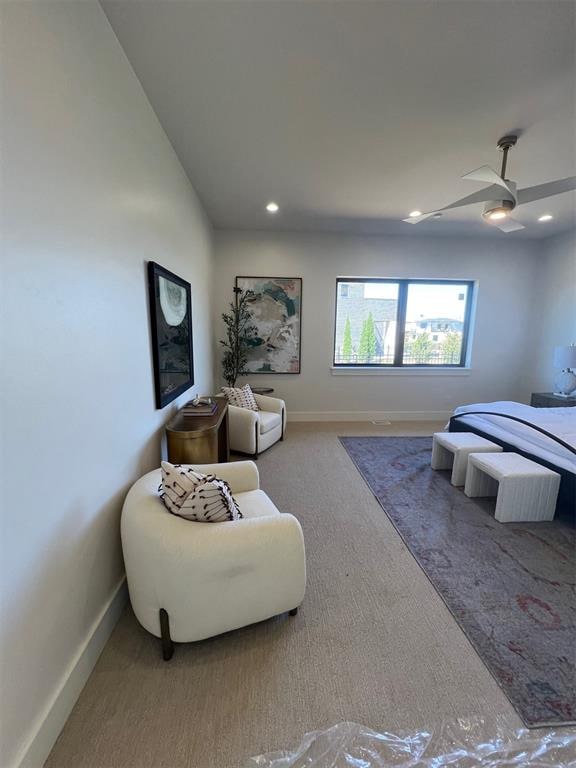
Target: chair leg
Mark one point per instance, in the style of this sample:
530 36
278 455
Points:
293 612
282 432
167 644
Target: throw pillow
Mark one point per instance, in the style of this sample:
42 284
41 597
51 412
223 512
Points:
198 497
243 397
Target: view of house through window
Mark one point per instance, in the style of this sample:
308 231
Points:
434 327
401 322
366 321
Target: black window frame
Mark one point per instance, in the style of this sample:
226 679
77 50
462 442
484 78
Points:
403 284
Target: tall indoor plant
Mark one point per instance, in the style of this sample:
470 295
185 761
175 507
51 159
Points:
239 332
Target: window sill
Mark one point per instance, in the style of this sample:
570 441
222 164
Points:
400 371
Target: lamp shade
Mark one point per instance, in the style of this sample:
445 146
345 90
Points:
565 357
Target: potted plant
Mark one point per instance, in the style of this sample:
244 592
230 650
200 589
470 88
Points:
239 332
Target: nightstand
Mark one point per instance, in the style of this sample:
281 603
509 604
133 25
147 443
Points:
550 400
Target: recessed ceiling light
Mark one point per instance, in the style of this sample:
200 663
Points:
415 213
545 217
272 207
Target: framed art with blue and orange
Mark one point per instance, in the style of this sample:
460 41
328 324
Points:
276 308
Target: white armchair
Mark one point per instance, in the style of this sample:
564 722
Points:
254 431
189 581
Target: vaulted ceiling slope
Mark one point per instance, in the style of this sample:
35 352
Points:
351 114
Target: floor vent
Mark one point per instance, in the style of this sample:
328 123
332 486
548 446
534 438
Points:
382 423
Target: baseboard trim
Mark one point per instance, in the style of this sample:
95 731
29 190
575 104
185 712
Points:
369 415
50 722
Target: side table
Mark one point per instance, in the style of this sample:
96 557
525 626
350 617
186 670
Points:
262 390
550 400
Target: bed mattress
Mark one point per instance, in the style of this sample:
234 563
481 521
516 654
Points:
558 421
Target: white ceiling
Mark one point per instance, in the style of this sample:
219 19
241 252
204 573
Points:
350 114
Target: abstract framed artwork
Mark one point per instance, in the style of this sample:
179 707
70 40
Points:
171 325
276 308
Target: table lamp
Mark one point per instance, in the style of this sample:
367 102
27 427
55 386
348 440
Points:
565 382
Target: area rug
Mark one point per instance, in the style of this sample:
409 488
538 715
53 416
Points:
511 587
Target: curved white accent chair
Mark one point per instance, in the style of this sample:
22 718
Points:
254 431
189 581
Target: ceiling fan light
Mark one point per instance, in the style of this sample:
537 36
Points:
496 210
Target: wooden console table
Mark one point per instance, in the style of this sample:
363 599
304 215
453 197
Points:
196 439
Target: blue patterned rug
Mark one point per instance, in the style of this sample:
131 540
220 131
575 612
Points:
511 588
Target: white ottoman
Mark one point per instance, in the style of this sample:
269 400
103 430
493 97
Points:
451 450
525 491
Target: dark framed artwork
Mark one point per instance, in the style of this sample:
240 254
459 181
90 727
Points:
171 324
276 309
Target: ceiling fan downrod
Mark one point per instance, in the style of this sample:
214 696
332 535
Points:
505 144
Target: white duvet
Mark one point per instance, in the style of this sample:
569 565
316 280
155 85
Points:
558 421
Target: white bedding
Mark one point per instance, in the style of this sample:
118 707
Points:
558 421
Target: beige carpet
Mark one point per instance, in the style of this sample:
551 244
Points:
373 642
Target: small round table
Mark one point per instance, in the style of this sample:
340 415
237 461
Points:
262 390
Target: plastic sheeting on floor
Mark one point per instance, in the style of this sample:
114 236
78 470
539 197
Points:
466 743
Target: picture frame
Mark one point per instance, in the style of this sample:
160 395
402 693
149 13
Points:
276 309
170 299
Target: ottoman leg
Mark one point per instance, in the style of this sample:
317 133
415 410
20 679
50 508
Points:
527 499
478 483
459 467
441 458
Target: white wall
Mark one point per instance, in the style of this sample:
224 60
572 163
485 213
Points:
554 306
92 190
505 272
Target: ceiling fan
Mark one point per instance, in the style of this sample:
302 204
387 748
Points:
502 196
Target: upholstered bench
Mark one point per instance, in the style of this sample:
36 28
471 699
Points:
450 450
526 491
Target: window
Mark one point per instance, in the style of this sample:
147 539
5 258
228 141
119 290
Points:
382 322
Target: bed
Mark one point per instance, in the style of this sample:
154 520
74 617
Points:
522 428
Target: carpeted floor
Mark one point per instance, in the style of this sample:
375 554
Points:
373 642
510 587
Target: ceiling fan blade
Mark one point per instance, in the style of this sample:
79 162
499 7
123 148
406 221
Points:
488 193
508 225
540 191
489 176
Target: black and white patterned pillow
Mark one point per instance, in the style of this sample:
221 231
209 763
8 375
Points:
243 397
198 497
